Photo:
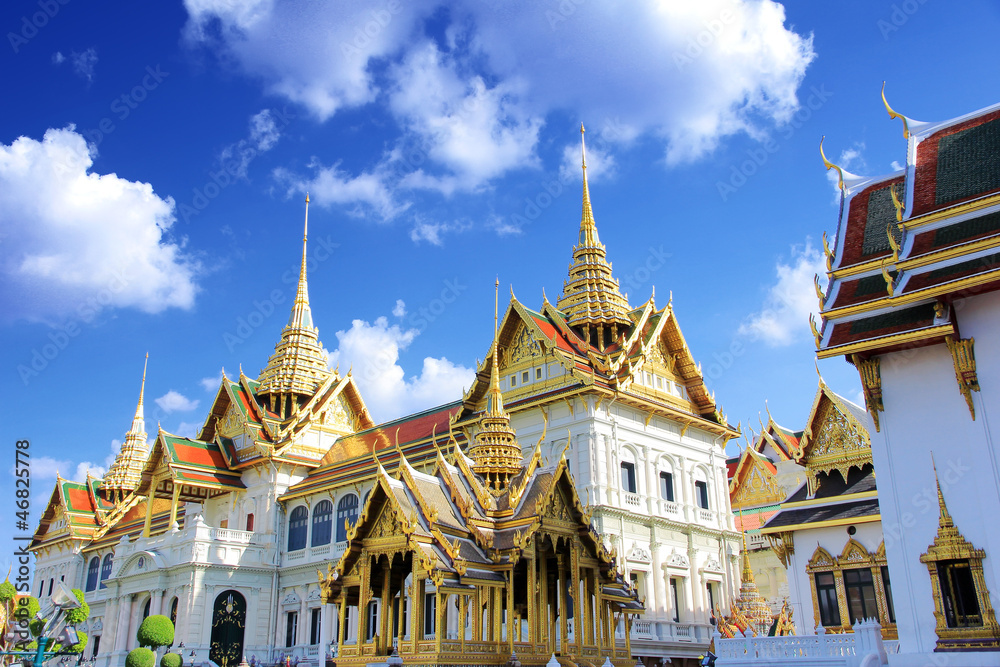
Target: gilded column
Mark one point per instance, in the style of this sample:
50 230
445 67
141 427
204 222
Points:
342 624
417 616
532 596
364 597
509 625
385 613
439 612
563 602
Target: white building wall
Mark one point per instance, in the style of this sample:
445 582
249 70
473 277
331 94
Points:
833 539
925 413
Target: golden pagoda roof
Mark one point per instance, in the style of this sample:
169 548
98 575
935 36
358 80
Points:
591 296
299 364
124 473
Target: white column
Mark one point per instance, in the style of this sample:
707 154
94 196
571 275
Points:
325 611
303 629
658 580
156 605
652 489
124 616
684 482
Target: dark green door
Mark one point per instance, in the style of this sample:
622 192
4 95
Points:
228 625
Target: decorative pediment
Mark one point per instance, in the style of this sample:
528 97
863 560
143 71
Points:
833 440
313 595
557 507
524 348
386 525
231 423
755 483
338 414
677 560
291 598
854 553
638 554
712 565
821 558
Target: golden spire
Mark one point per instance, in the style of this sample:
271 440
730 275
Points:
495 453
750 603
591 298
299 364
124 473
944 520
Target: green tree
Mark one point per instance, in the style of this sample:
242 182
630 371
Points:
171 660
7 591
81 613
140 657
155 631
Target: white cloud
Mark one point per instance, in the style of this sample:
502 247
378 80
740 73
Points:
329 186
601 164
399 310
784 318
851 160
432 232
58 58
264 134
187 430
77 242
372 351
474 101
84 63
474 130
173 401
44 468
211 384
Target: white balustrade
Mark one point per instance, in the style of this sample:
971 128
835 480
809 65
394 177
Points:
841 650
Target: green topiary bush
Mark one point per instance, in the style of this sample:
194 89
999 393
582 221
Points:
155 631
7 591
81 613
171 660
140 657
80 645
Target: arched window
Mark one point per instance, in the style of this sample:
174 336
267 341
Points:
347 511
105 569
321 523
145 608
52 582
173 611
92 570
297 527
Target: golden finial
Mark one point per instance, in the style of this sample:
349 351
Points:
815 331
944 520
892 241
895 114
583 146
818 374
828 253
142 387
895 202
819 291
829 165
888 278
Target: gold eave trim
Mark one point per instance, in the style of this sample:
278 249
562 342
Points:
821 524
934 216
854 269
826 501
884 341
949 253
924 294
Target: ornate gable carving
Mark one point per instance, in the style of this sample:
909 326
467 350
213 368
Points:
338 414
838 445
557 507
385 525
525 346
231 423
758 487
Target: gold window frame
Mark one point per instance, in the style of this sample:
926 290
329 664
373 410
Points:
853 557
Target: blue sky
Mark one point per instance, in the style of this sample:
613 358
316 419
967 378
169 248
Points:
154 159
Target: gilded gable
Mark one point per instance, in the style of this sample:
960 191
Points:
231 423
524 347
338 414
759 486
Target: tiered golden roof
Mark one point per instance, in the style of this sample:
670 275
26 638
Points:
495 451
124 474
750 604
591 299
299 364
